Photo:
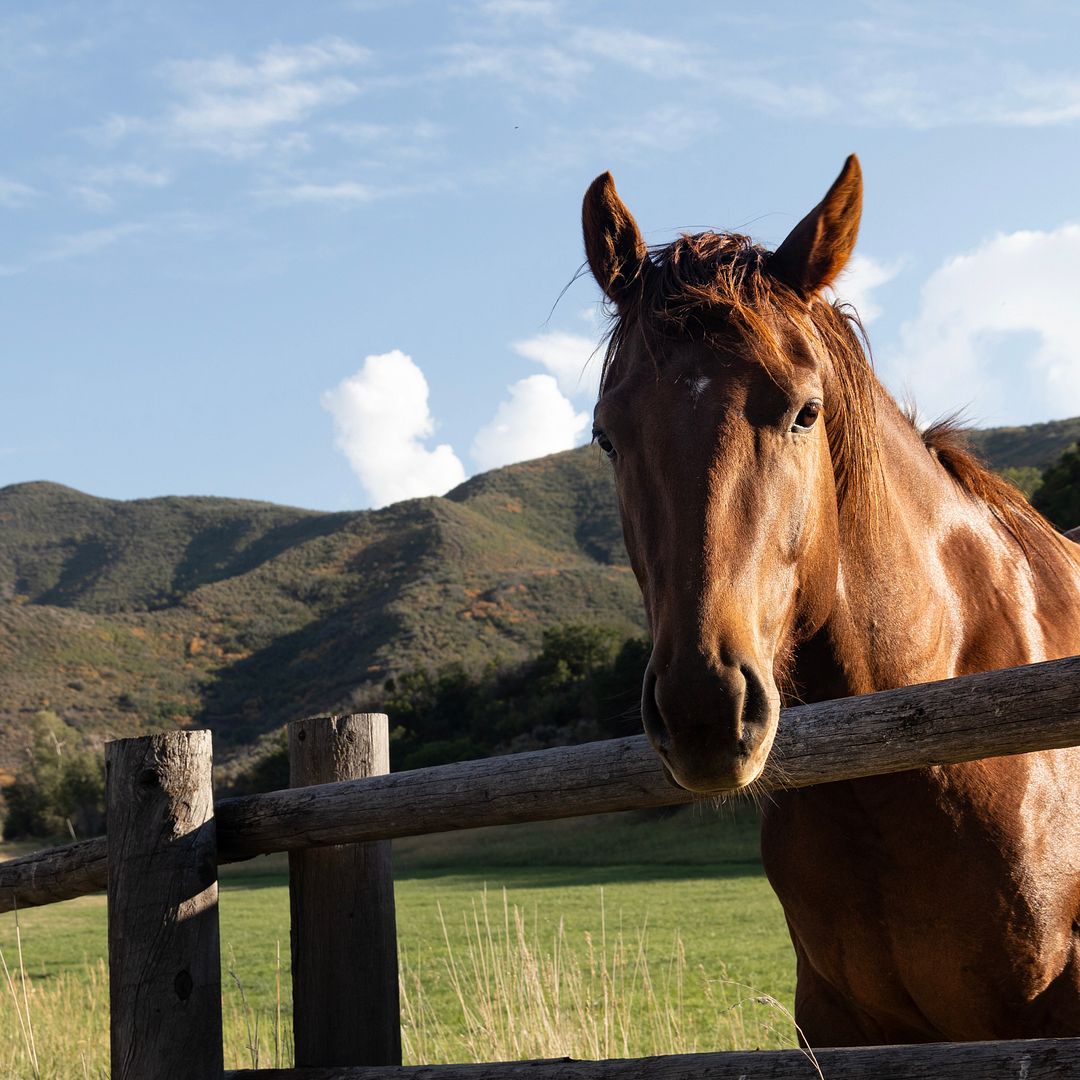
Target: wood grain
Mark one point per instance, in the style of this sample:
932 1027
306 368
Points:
344 933
164 950
1028 1059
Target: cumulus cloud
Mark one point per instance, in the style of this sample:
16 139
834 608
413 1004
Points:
535 420
571 358
998 331
381 422
858 281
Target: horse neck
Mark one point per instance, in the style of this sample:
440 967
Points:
910 592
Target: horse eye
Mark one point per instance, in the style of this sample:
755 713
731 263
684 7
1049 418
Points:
808 415
603 442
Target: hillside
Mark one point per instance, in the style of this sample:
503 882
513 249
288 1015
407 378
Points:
1035 445
240 615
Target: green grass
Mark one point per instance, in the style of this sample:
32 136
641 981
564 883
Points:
683 895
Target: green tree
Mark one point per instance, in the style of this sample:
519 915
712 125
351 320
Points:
61 787
1059 496
1026 477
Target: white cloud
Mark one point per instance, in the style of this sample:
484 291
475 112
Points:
76 245
571 358
535 420
96 190
381 421
527 9
660 57
858 281
230 106
14 194
344 192
1019 289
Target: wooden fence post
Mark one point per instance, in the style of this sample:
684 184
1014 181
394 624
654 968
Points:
344 934
164 947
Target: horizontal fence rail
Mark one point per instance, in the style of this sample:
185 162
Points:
1026 1059
1013 711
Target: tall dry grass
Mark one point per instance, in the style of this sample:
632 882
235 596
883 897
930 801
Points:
520 995
516 993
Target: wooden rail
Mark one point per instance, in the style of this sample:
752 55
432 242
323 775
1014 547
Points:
1013 711
1024 1059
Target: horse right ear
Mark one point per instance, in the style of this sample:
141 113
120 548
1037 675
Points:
613 245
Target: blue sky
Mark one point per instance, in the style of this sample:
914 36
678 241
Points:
316 253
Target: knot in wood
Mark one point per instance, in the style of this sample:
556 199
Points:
183 984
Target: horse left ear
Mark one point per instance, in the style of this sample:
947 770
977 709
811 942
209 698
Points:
818 248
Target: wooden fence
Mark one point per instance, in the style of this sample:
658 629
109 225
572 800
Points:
166 839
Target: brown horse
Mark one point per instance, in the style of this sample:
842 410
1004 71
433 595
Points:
796 538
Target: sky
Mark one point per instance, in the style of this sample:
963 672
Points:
329 254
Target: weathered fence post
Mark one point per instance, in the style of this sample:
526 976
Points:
164 948
344 934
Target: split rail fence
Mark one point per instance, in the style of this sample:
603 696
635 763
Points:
166 839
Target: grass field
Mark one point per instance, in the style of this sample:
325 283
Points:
627 934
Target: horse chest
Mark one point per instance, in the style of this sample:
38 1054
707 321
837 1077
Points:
939 904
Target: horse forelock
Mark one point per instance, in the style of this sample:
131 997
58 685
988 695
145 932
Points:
716 288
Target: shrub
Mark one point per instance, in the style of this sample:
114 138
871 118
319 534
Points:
1059 496
60 789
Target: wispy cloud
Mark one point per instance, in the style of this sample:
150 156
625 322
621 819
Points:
663 58
229 105
342 193
15 194
88 242
97 185
233 106
857 284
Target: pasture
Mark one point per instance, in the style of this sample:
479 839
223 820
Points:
649 933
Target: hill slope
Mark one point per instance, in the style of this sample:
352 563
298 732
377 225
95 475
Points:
240 615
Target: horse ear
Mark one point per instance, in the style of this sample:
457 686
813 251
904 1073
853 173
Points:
613 244
818 248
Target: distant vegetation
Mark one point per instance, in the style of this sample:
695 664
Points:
58 790
583 685
1058 496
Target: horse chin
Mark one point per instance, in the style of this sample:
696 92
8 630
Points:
724 777
709 782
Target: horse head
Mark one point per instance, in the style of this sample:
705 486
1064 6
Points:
726 407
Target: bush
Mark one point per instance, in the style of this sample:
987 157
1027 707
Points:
60 789
584 684
1059 496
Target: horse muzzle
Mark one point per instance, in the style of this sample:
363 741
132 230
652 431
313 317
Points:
713 726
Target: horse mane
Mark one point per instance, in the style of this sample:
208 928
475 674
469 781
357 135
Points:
947 440
717 287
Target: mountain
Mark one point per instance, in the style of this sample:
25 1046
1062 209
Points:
1036 445
240 615
125 616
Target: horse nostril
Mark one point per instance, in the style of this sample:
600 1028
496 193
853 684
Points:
757 702
651 717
